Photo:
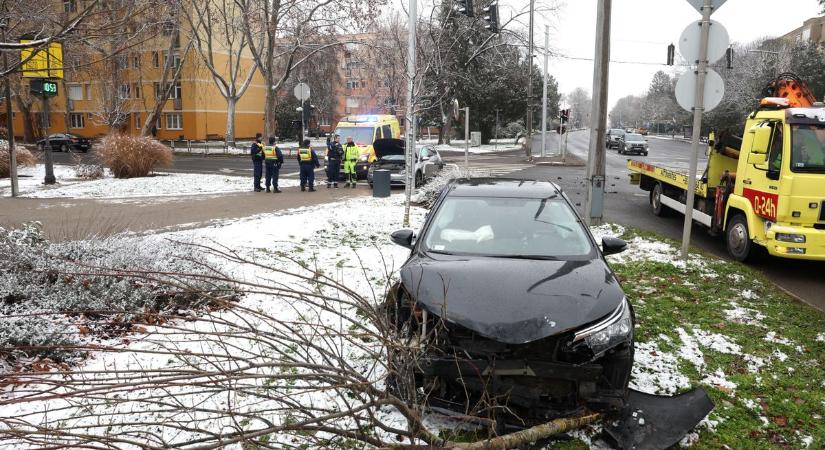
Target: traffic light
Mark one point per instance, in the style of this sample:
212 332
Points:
671 54
564 116
464 7
729 57
491 17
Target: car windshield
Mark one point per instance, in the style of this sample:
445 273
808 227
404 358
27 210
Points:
361 135
617 131
507 227
393 158
807 148
634 138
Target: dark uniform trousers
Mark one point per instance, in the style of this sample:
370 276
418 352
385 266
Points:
258 169
272 172
307 174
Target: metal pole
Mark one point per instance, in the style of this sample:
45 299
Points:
561 106
467 139
410 119
303 125
544 94
10 124
49 178
698 109
596 155
495 142
529 146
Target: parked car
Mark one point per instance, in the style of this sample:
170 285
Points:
643 131
614 137
514 303
390 156
66 142
633 143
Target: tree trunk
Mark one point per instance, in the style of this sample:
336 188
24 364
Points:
231 103
270 118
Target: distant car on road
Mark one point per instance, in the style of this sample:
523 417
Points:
633 143
614 137
390 156
65 142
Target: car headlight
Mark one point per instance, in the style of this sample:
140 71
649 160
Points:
795 238
364 158
615 329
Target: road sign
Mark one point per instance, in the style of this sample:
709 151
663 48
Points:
301 91
456 109
41 87
718 42
44 63
699 3
686 90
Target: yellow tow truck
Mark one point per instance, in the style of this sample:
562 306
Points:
766 188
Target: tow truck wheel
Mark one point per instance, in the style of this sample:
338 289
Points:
738 238
656 194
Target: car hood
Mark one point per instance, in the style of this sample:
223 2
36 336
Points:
635 142
511 300
384 147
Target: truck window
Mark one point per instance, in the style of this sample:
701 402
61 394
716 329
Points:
807 152
387 130
377 133
775 153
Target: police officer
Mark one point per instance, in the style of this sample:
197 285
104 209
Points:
273 160
257 152
351 154
334 155
307 161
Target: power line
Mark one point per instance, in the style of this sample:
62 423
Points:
613 61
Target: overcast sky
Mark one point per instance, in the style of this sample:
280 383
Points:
642 30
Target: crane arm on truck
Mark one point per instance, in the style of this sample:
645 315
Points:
791 87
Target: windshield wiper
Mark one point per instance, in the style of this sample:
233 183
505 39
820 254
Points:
536 257
440 252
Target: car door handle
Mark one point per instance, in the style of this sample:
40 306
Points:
747 181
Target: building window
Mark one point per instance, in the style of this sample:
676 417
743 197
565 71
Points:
136 60
136 90
137 120
70 5
77 120
175 60
353 102
124 91
176 92
155 59
75 92
174 121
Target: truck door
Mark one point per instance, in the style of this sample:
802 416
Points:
760 180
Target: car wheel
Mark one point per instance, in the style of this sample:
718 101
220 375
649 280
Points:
64 148
645 153
419 179
738 238
659 209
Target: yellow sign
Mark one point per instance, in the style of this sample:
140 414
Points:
44 63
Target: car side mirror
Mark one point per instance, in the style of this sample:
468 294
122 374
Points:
403 238
612 245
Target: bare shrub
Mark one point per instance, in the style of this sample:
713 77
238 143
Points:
24 158
134 156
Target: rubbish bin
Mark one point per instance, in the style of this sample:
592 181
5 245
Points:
381 183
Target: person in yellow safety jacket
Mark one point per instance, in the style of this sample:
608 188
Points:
307 162
273 160
351 154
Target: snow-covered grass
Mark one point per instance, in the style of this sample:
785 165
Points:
708 323
160 184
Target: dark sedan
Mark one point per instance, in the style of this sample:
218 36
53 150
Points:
66 142
522 314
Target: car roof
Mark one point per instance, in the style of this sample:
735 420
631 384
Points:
502 187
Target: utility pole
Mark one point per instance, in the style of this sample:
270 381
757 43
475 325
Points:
698 109
529 123
9 119
544 94
466 140
47 151
596 156
410 118
495 141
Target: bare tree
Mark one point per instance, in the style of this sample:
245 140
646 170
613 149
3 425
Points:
217 25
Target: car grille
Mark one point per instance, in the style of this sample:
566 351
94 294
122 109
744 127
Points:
464 340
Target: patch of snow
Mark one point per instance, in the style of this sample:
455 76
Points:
772 337
717 342
655 371
806 440
820 337
755 363
778 354
750 404
748 294
747 316
719 379
689 350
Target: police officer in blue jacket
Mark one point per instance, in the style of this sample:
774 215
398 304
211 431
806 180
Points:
273 160
307 161
335 153
257 152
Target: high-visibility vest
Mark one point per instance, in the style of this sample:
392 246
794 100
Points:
351 152
270 153
305 154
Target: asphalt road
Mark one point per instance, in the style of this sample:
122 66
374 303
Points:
628 205
624 204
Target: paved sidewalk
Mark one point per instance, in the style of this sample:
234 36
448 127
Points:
70 219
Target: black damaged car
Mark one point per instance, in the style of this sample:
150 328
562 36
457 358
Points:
520 312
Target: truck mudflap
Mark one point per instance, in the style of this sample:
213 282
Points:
657 422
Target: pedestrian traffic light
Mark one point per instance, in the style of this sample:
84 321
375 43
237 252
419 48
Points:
464 7
671 54
729 57
564 116
491 17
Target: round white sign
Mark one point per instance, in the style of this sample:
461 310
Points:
718 42
686 90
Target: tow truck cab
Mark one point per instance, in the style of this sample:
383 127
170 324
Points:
779 190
